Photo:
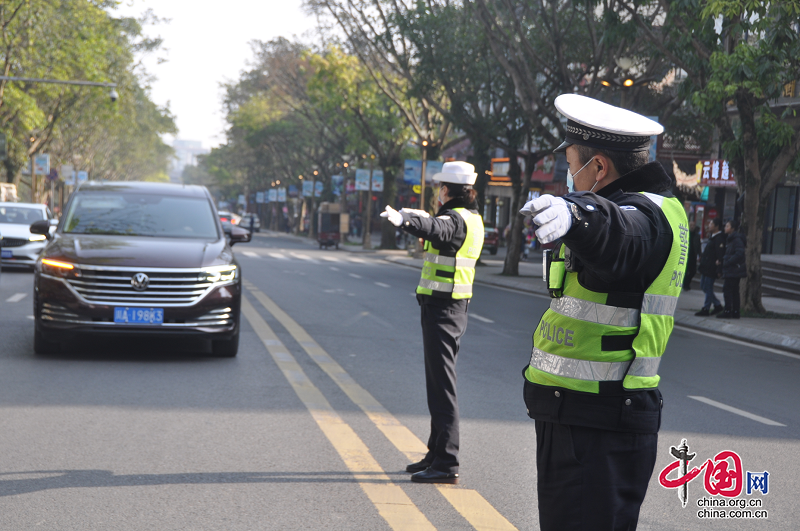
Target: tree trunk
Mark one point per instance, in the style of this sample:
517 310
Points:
518 192
753 205
388 231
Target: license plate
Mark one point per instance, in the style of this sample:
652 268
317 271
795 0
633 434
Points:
139 315
6 254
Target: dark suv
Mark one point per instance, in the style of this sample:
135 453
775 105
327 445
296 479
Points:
138 259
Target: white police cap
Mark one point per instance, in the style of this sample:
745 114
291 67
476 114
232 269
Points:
599 125
457 172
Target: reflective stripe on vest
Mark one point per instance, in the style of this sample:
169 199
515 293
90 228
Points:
574 345
450 260
594 312
453 276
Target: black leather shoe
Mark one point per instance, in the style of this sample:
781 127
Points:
702 312
430 475
725 315
717 309
419 466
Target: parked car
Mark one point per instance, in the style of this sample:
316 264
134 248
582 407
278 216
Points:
18 246
491 239
138 259
245 222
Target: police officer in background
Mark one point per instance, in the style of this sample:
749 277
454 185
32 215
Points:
453 242
614 278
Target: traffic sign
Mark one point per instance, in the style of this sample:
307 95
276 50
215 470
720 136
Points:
53 175
83 176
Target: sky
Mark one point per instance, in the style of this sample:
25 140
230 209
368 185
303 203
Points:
206 44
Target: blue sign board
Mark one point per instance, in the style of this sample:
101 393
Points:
412 170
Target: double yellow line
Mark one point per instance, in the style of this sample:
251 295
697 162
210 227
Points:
391 502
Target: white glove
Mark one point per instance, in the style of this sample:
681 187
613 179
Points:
420 213
552 215
394 217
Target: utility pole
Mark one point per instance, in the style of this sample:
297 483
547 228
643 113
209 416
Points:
368 216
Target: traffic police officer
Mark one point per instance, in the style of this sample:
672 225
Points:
614 278
453 242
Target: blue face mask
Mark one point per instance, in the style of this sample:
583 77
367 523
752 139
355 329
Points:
570 180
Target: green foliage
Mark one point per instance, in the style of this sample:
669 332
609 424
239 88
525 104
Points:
79 40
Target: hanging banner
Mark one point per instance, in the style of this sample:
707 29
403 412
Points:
272 196
307 188
293 191
41 164
412 170
281 195
362 180
336 184
318 189
716 172
259 197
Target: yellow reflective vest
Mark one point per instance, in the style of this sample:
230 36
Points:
582 341
452 276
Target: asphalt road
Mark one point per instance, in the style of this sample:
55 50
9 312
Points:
312 424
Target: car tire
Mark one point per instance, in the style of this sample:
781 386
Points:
226 348
42 345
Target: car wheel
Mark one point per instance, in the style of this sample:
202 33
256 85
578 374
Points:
42 345
226 348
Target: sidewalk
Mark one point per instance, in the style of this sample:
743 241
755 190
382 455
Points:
783 334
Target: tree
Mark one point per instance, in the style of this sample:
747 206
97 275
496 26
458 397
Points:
738 56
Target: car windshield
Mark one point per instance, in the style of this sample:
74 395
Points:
20 215
134 214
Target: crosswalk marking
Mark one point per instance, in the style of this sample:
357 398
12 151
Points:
355 276
479 318
330 258
357 260
736 411
381 284
469 503
279 256
301 256
16 297
251 254
391 502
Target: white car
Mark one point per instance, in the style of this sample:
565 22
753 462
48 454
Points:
245 222
18 246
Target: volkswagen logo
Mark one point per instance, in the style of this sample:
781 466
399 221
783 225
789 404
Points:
140 281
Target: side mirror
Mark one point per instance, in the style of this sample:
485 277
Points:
239 235
41 227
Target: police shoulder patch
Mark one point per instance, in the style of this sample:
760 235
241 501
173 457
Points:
628 207
442 217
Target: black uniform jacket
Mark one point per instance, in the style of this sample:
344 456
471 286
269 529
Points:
619 247
446 232
713 253
734 260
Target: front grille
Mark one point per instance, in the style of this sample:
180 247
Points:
178 287
13 242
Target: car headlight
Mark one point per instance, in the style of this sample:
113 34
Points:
58 268
220 273
37 238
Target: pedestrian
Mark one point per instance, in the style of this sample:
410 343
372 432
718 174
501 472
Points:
710 269
694 251
453 242
614 276
733 270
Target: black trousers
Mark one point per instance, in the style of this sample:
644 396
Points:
444 321
730 289
590 478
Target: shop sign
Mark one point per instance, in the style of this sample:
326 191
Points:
716 172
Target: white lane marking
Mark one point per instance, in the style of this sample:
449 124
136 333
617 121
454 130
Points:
354 275
737 411
738 342
301 256
251 254
16 297
480 318
278 256
334 269
330 258
381 284
357 260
